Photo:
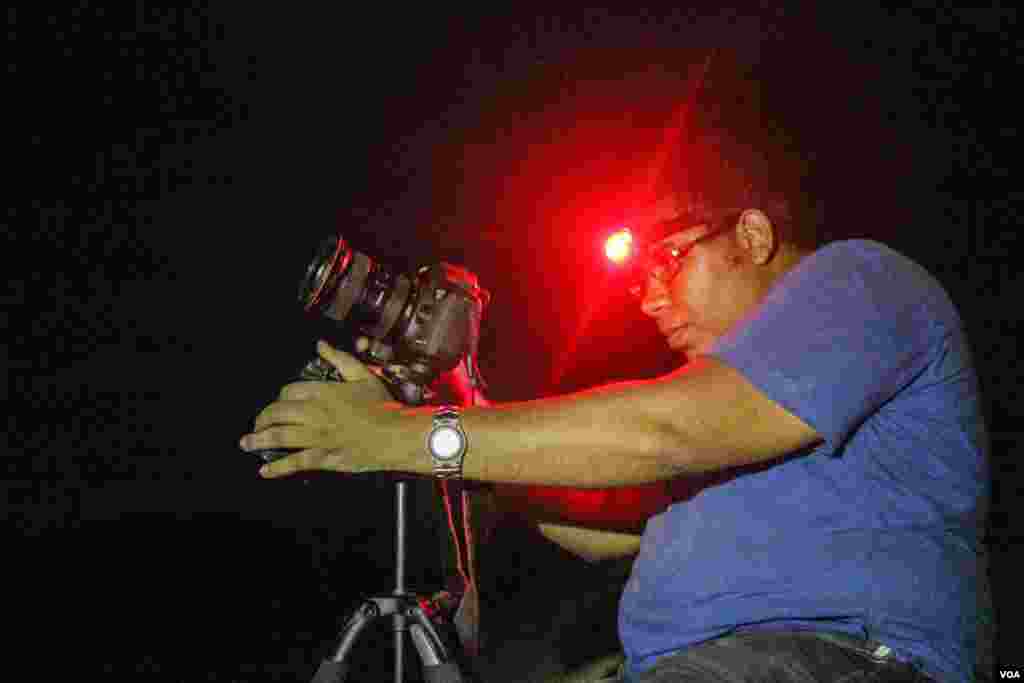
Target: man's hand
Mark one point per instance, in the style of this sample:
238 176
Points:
340 426
593 545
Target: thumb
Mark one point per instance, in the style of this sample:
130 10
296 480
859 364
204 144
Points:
348 366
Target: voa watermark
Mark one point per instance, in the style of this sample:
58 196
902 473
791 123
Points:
1009 674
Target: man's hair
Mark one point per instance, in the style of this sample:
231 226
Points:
740 150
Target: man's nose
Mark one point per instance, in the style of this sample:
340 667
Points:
655 298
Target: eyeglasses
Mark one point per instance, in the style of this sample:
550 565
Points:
662 262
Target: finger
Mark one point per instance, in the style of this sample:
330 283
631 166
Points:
279 436
281 413
303 461
349 366
302 390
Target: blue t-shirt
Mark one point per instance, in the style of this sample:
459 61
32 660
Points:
872 533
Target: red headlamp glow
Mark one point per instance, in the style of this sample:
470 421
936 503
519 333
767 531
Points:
619 246
646 259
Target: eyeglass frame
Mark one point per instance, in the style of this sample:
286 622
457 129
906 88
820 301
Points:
674 254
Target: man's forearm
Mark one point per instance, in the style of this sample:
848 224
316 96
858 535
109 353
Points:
611 436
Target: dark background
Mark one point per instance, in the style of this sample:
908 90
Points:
170 170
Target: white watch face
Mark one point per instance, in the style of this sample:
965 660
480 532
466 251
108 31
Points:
445 442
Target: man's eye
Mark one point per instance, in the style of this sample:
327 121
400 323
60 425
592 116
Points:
670 255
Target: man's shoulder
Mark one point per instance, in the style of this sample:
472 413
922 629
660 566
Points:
867 267
861 253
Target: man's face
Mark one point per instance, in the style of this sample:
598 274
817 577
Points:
715 287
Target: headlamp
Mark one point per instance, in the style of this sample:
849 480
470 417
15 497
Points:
649 257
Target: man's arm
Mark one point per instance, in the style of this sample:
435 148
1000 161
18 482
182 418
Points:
706 416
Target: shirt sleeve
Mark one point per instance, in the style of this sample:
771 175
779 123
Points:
839 335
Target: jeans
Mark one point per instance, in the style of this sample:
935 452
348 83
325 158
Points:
781 657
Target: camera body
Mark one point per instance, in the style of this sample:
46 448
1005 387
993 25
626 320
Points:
425 321
418 325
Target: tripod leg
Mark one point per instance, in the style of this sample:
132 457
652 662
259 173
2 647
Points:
399 619
438 664
435 669
335 670
330 672
442 673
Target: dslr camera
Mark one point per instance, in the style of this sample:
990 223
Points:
417 325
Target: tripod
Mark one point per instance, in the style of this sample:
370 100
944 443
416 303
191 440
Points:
439 665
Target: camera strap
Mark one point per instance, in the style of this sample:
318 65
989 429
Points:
455 498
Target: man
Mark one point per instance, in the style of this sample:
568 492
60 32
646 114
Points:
831 389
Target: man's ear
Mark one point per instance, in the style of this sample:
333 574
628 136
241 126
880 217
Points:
757 235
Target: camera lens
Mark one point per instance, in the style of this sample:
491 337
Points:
331 259
349 287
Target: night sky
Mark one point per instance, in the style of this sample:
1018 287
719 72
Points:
173 169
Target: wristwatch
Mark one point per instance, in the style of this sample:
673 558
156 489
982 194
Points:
447 443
